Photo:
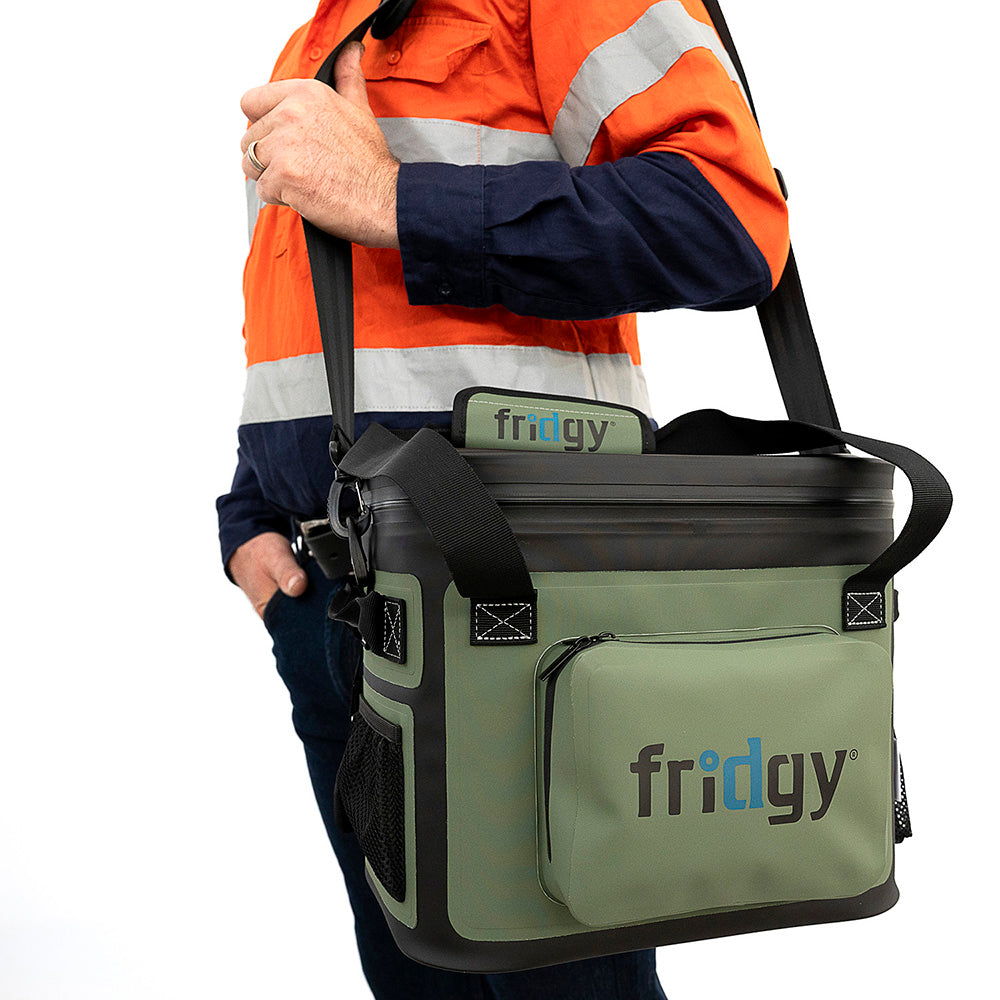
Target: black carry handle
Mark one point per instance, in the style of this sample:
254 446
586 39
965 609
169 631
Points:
783 316
465 521
712 432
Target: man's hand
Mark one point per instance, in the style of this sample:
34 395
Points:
264 565
324 154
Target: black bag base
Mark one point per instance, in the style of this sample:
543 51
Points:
438 944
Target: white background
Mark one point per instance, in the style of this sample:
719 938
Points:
157 834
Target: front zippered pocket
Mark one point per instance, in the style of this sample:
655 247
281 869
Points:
549 675
684 772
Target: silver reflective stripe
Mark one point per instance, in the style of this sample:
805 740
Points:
626 65
439 140
285 390
423 379
254 205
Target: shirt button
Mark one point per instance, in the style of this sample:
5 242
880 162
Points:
445 289
315 52
394 57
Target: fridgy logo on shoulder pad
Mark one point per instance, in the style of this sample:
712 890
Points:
744 780
508 419
574 433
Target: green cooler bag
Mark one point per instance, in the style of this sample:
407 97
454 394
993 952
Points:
611 702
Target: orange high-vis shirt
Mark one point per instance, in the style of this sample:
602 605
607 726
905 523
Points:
496 83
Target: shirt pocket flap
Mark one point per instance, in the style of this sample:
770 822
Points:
426 49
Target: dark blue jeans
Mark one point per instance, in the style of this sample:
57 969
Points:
316 660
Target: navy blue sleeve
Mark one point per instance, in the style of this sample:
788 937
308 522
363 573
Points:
244 513
643 233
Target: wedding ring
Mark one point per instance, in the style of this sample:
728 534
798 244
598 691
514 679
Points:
252 157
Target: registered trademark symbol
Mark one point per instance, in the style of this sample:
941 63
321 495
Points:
614 423
854 755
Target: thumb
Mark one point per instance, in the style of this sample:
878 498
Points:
264 564
349 78
285 571
291 579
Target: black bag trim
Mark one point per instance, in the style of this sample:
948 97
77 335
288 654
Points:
386 729
443 948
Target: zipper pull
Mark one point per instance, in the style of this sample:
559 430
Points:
584 642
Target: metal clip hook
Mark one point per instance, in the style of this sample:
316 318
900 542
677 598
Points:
362 508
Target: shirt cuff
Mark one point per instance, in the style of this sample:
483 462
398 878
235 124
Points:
439 218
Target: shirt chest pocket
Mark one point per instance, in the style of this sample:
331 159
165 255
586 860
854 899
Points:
427 85
429 50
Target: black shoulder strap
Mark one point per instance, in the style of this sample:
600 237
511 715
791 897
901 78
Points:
330 261
783 315
784 318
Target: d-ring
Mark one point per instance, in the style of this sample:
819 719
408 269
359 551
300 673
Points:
253 159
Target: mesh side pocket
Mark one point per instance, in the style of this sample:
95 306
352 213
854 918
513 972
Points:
369 796
902 809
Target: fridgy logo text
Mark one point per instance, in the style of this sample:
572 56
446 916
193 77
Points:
573 433
784 787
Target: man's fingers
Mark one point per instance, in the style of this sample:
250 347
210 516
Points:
348 77
257 101
323 154
268 185
257 131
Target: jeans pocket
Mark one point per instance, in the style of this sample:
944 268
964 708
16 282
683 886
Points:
271 609
298 629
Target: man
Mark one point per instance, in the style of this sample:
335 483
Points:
563 165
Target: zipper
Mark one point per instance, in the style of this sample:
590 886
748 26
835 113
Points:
579 501
578 645
550 675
